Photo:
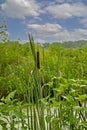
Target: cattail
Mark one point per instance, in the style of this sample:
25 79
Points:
82 71
59 73
38 60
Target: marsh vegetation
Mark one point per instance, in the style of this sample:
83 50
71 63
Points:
42 88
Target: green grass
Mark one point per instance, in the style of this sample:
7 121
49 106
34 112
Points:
37 98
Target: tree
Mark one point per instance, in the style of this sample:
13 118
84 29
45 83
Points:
3 31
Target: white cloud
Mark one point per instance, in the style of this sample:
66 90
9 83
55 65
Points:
67 10
60 1
38 40
68 1
76 34
20 8
83 21
23 8
45 30
55 32
80 33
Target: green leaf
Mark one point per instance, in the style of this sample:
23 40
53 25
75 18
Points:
10 97
84 124
48 118
69 98
82 97
24 128
78 108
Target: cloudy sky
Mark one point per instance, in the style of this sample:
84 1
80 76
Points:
47 20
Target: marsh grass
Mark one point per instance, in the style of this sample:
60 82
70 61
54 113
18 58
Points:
66 109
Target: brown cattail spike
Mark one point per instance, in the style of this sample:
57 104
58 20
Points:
38 60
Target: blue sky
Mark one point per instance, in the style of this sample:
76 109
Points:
47 20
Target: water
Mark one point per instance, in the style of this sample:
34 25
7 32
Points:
8 119
34 117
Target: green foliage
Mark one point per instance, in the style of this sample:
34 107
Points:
69 104
53 97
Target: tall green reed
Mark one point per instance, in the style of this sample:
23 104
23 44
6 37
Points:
38 111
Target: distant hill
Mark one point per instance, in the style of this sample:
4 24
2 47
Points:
74 44
67 44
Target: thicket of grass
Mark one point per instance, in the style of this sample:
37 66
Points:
52 96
